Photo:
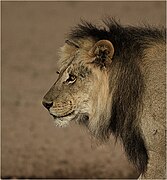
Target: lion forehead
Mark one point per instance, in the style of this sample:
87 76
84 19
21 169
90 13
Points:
67 51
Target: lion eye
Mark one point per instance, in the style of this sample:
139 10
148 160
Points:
71 78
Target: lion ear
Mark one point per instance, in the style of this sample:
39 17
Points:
103 52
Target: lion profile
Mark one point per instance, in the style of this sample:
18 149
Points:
112 80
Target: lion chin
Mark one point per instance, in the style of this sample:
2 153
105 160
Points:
60 122
63 121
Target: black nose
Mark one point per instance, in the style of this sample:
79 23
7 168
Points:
47 105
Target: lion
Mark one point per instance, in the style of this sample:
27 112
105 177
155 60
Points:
112 80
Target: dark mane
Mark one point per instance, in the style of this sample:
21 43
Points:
117 33
129 43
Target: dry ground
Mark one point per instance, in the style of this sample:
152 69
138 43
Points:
31 145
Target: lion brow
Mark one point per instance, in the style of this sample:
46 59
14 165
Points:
72 43
63 70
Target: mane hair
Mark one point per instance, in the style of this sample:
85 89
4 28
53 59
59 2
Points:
127 81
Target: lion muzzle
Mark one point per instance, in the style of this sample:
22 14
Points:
61 109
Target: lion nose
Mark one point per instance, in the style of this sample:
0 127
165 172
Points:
47 105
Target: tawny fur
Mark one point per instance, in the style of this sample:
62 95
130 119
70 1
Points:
123 95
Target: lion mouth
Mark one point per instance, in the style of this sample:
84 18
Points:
63 121
63 116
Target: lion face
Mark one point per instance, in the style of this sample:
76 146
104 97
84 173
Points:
81 90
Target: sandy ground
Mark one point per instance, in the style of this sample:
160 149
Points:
32 147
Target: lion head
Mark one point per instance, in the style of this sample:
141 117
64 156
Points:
81 92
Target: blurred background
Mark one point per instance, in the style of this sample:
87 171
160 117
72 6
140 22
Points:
32 146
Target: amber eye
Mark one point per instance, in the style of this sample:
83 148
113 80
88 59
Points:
71 79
